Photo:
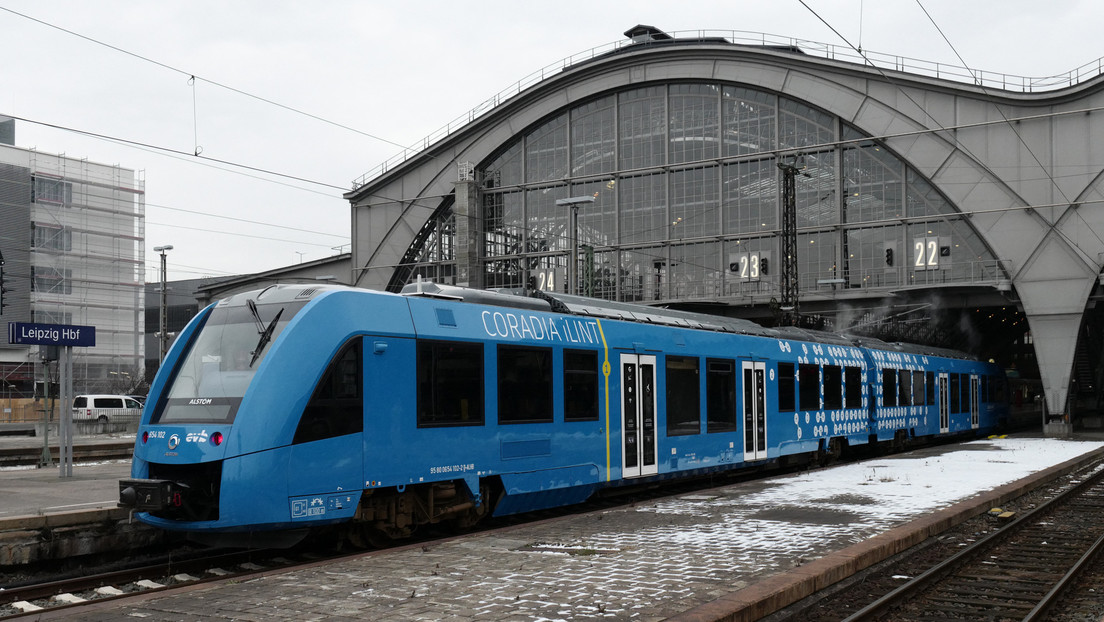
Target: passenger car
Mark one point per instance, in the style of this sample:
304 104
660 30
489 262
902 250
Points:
106 408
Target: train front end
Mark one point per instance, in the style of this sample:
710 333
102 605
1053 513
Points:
214 447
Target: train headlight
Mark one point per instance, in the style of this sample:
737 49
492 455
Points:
216 439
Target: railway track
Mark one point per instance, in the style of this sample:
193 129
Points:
1016 573
36 599
21 456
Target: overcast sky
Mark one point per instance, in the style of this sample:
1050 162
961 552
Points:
391 73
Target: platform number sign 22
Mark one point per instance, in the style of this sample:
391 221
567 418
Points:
926 252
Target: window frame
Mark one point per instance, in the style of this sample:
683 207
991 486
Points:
342 413
833 387
889 387
787 378
853 381
721 413
682 393
473 348
805 395
512 360
572 376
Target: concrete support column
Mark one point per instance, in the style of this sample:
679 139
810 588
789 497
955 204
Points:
1055 339
469 270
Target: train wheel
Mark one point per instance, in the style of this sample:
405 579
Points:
370 537
473 515
826 455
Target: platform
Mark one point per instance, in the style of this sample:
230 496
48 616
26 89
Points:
690 557
31 491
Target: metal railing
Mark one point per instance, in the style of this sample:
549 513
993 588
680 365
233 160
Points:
890 62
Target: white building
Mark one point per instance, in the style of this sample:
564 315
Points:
72 235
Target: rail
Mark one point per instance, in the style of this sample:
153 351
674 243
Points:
1040 574
890 62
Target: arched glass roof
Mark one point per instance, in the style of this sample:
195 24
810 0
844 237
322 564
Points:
687 203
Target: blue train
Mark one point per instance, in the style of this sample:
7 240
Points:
293 407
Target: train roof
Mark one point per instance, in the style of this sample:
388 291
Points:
580 305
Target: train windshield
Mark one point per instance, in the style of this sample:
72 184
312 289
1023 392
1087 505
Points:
210 382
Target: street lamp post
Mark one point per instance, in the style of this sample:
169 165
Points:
163 329
573 263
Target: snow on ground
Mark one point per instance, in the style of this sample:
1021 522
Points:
659 558
909 484
725 538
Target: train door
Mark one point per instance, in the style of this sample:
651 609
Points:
755 411
974 385
638 415
944 403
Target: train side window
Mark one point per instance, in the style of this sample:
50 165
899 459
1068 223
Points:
450 383
683 396
833 387
808 386
918 393
337 406
904 388
787 388
580 385
720 395
999 385
889 387
524 384
955 396
929 387
853 377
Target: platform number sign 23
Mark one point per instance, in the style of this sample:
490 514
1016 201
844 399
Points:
927 252
750 266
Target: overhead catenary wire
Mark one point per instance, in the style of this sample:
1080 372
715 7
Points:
1053 226
171 150
193 76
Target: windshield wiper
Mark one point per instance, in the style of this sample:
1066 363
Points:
264 331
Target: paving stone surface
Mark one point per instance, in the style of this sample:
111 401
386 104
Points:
642 562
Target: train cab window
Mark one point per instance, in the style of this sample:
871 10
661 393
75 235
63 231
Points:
852 376
918 392
833 387
683 396
904 388
956 407
889 387
524 384
929 387
720 395
450 383
787 388
337 406
808 386
580 385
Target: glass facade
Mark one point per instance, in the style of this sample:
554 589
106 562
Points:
687 202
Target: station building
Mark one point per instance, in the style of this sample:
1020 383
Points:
72 236
723 171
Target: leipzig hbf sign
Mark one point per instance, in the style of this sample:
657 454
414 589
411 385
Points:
27 333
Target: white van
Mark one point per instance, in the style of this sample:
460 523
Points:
105 408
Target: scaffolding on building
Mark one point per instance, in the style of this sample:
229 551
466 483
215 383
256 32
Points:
87 265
